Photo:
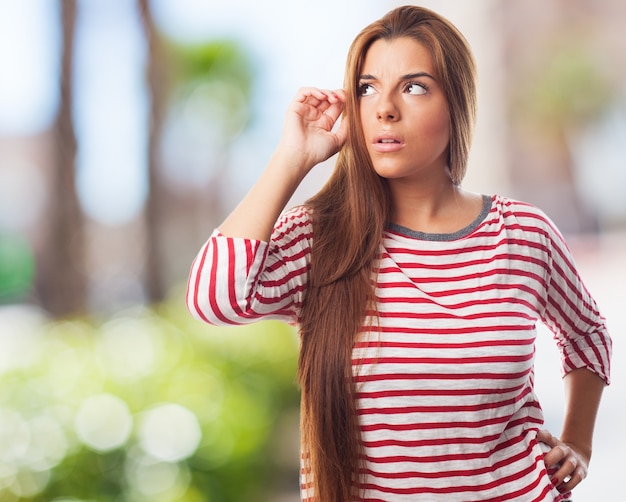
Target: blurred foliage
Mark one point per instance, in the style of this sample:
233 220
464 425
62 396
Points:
150 405
17 267
569 86
217 77
209 60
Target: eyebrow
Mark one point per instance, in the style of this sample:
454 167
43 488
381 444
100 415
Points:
408 76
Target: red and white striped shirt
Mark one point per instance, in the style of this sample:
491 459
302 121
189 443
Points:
445 382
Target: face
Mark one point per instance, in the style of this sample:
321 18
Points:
404 112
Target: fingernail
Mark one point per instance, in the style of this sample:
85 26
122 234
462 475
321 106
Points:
554 481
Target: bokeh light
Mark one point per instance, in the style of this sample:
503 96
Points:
169 432
154 478
104 422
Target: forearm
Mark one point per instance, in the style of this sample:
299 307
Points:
308 138
583 390
256 214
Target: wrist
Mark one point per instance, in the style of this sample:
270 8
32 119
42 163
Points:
583 450
292 160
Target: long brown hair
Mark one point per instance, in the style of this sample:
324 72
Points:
349 215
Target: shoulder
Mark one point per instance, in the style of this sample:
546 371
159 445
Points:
510 206
520 210
527 217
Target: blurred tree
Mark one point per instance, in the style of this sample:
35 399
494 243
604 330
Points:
61 281
203 89
564 91
569 89
156 206
216 77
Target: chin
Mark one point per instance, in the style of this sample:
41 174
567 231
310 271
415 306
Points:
389 172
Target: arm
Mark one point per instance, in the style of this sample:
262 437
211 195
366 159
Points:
572 453
308 138
583 390
585 346
239 276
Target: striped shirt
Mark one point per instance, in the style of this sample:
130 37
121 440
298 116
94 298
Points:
444 376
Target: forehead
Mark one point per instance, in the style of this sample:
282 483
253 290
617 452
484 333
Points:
399 55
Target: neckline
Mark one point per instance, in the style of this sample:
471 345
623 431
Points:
459 234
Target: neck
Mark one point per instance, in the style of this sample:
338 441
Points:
424 198
432 206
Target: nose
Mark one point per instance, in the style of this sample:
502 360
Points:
387 111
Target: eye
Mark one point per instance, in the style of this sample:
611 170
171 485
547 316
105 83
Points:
415 88
366 90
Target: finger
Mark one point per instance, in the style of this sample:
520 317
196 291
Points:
545 437
573 480
323 106
341 94
329 105
335 110
305 93
556 455
332 96
565 470
316 97
342 133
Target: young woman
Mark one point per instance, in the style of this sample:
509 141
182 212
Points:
416 300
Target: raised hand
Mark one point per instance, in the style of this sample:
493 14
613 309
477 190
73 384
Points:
308 135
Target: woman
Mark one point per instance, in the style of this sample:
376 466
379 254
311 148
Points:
416 300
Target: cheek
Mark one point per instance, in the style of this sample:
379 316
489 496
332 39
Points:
437 126
364 116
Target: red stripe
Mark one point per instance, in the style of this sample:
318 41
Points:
458 488
299 256
456 361
213 297
232 282
488 303
440 376
453 346
473 291
454 331
431 426
447 440
278 299
199 274
442 459
508 257
284 279
434 392
432 442
392 248
497 272
445 315
444 409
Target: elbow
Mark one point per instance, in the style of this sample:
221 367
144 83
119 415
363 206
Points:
210 305
197 309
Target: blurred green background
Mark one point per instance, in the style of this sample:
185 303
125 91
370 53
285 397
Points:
148 405
129 129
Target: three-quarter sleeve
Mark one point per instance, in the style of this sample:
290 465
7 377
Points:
573 315
238 281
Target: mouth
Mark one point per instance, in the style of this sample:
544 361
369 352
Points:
387 143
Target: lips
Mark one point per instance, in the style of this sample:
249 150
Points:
387 143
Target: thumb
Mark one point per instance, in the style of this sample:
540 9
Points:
342 133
